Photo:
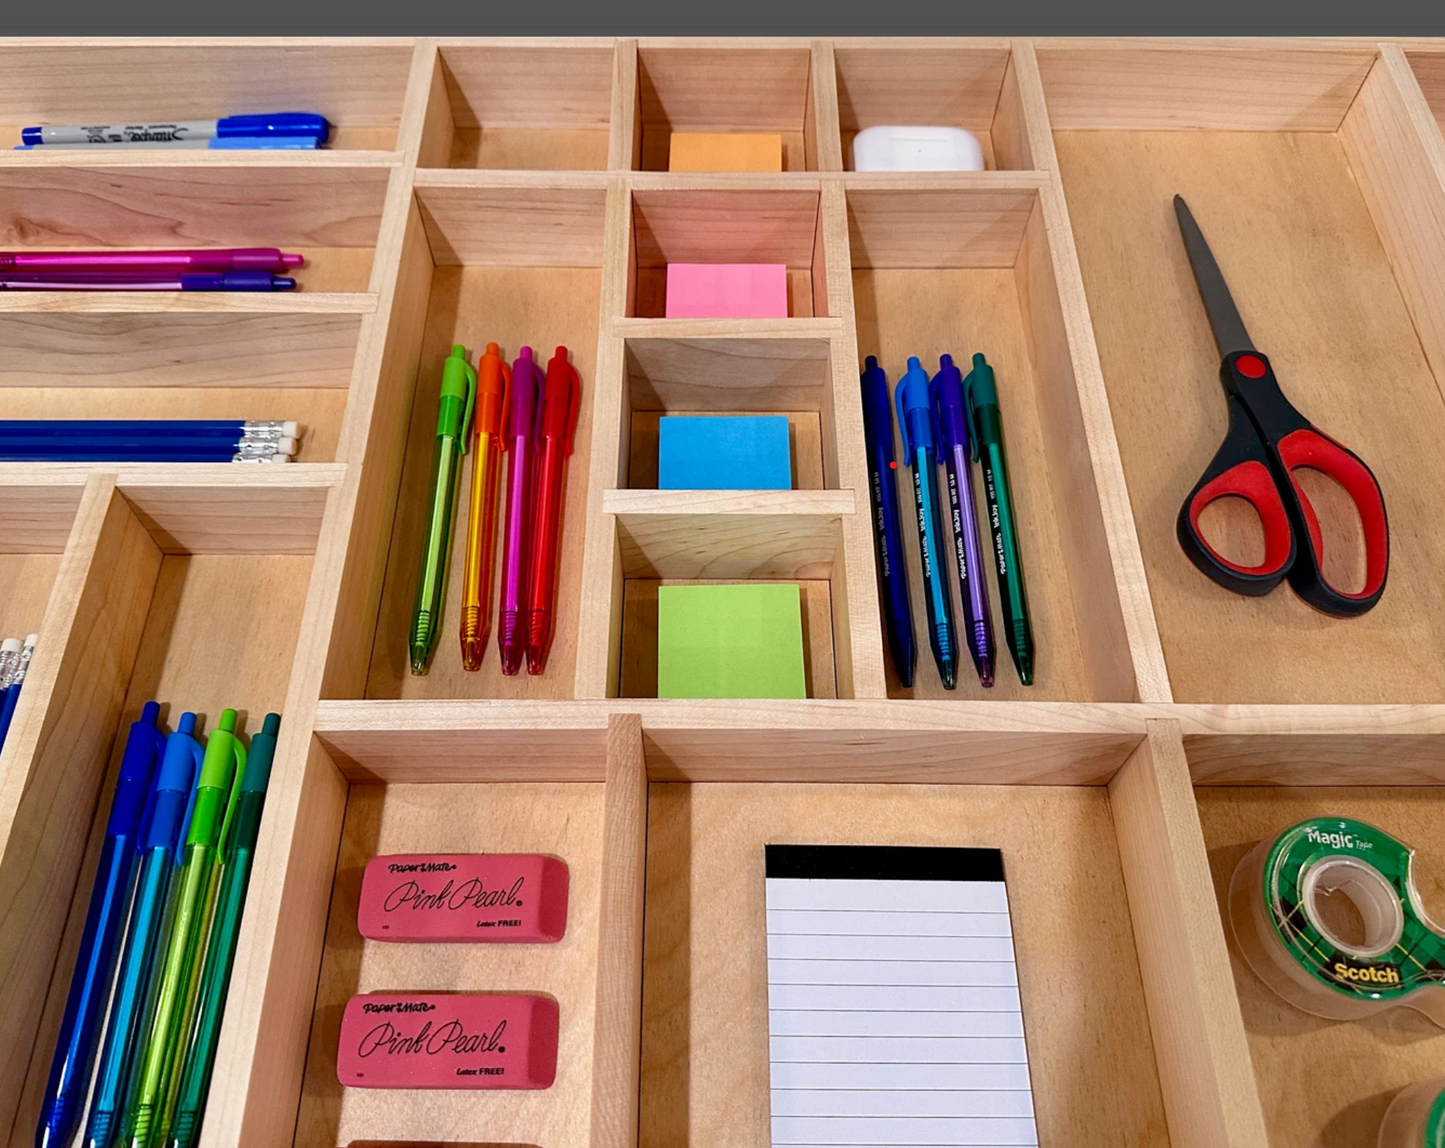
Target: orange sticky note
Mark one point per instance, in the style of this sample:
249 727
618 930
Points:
725 151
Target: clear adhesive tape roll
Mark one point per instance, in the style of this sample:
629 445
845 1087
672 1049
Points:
1416 1118
1327 915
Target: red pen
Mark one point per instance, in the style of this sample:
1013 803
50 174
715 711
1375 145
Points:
561 401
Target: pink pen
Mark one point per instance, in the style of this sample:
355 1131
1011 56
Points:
521 430
121 259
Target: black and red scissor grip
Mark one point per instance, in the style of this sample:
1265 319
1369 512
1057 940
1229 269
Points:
1240 469
1310 449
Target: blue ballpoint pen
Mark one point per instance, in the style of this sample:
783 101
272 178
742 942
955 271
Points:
956 443
887 526
162 831
64 1099
916 422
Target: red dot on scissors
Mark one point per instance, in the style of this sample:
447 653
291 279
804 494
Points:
1250 366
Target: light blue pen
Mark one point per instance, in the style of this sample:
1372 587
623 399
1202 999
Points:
162 830
917 422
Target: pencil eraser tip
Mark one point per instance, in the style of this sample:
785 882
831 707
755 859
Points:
10 646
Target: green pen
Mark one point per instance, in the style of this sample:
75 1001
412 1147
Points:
179 977
988 449
454 424
240 850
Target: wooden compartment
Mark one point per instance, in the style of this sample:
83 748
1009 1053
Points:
515 268
763 87
270 364
970 84
962 271
1321 1081
765 375
705 1054
188 593
328 214
540 105
725 224
1298 166
357 85
1429 68
35 523
560 819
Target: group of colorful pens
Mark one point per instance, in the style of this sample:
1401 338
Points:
532 418
289 131
150 981
951 420
15 658
148 440
202 269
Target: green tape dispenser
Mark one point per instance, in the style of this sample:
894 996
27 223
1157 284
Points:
1327 915
1416 1118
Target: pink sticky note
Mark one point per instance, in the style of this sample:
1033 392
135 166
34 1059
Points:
727 291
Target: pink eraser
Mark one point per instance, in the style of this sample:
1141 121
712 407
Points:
516 897
448 1040
727 291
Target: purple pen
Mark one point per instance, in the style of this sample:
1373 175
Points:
521 429
955 448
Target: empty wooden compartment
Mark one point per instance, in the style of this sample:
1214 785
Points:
542 104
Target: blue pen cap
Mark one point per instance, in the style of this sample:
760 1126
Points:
915 409
950 405
143 748
174 788
275 124
877 411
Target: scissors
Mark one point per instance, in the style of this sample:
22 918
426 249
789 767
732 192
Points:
1267 441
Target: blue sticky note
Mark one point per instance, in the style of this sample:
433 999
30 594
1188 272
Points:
723 452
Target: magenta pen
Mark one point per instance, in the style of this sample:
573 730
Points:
138 281
122 259
520 431
955 447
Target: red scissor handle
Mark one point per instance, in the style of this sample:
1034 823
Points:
1309 449
1266 443
1240 469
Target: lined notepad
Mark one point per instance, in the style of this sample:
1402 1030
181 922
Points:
893 1002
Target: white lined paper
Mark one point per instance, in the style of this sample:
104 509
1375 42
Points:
894 1011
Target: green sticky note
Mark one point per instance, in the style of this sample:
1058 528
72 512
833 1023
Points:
739 641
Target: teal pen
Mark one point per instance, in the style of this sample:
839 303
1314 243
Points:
988 441
918 424
163 826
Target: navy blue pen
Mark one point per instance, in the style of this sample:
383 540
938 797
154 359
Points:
65 1092
887 526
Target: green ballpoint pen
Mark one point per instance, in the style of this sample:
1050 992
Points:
454 425
240 849
988 448
176 989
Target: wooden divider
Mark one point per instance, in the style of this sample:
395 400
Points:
393 203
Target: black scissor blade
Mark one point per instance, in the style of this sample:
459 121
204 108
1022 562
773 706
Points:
1229 330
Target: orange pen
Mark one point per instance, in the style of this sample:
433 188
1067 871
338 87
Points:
494 386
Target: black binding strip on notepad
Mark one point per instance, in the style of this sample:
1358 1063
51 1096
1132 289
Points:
883 863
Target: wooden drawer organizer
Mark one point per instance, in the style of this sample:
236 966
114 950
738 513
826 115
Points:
509 190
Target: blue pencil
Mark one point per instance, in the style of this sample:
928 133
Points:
16 679
216 428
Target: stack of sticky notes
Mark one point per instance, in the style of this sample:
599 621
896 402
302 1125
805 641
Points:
723 452
734 641
727 291
725 151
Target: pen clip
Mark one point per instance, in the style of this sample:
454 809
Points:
471 408
200 756
903 424
575 410
972 416
238 755
506 404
